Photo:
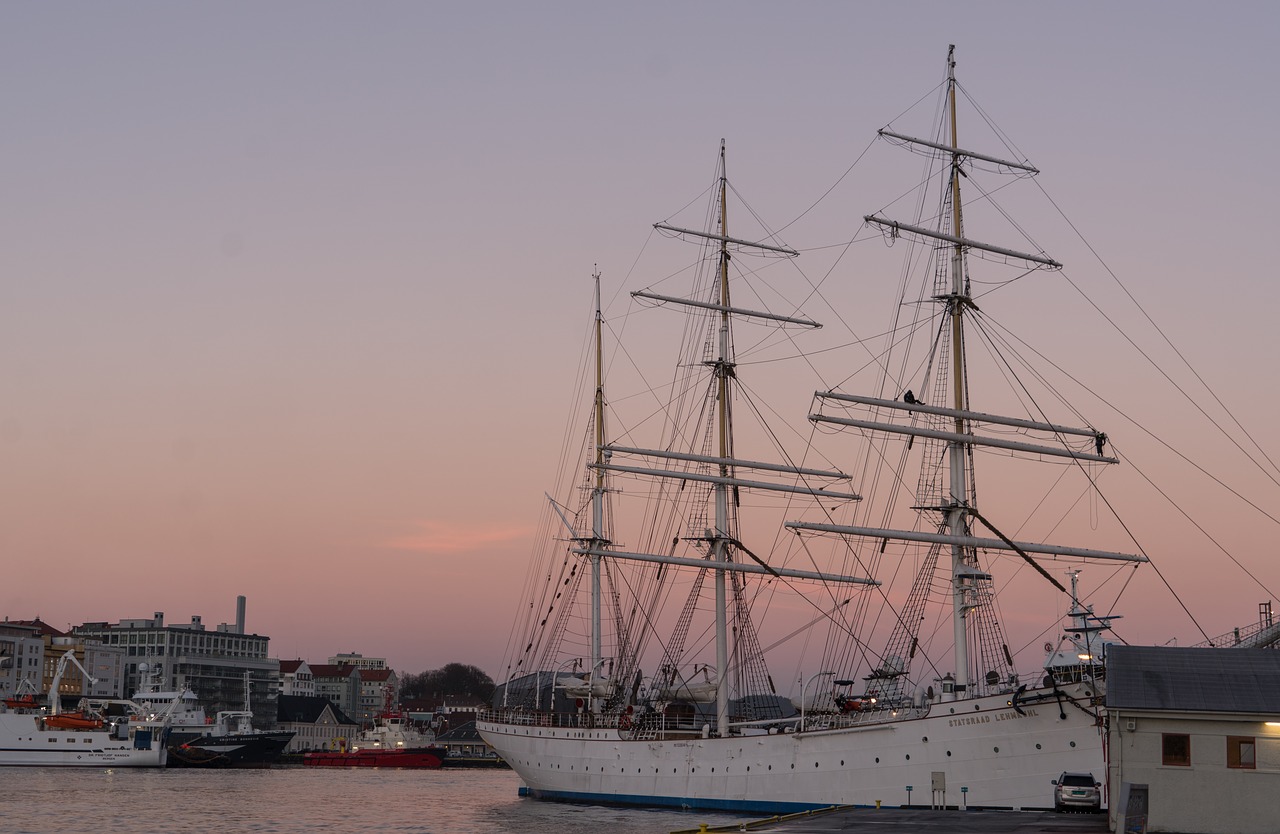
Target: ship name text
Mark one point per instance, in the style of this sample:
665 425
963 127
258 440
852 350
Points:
1008 715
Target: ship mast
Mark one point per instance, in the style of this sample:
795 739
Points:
724 370
598 539
970 586
717 535
957 450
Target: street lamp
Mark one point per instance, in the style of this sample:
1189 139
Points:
804 689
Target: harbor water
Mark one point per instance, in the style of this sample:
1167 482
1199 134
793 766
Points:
290 800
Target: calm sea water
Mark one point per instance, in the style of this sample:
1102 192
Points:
289 800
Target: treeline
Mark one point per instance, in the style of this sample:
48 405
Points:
455 680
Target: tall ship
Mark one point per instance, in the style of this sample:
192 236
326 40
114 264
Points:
948 654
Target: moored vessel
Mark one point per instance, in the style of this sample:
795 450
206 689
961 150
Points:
392 741
194 739
84 738
230 741
637 673
424 758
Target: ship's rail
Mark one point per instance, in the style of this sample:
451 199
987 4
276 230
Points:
657 725
637 726
537 718
645 726
816 721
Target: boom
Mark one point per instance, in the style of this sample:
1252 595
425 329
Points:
55 702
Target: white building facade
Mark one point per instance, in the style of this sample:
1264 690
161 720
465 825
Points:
1194 739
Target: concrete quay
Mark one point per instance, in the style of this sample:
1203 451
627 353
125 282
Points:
920 821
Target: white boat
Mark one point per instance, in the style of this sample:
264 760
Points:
637 671
33 737
174 708
392 731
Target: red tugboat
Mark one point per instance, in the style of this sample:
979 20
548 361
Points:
393 741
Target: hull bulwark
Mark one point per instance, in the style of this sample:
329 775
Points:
24 743
978 753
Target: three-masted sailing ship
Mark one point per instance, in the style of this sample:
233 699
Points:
637 673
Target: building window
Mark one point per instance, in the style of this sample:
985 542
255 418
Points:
1175 749
1240 752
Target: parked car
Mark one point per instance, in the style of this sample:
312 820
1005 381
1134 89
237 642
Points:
1078 791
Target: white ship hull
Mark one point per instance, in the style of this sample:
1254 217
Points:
23 741
989 755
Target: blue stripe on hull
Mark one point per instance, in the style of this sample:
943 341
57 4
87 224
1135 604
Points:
745 806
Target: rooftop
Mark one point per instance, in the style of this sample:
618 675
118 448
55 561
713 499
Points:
1193 679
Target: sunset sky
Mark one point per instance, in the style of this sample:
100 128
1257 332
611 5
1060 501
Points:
292 294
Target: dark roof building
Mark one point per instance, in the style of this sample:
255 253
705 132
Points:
466 747
42 628
1194 738
317 724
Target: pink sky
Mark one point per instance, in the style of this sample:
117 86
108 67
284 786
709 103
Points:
293 293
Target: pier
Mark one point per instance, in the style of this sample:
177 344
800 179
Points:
918 821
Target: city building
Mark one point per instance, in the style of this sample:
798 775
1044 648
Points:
21 656
340 684
296 678
36 656
216 665
379 693
358 660
105 665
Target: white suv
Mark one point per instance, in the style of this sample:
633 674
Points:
1077 791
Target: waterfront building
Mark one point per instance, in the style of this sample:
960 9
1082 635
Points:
35 649
21 655
358 660
296 678
340 684
316 723
212 664
1194 739
379 692
105 664
464 743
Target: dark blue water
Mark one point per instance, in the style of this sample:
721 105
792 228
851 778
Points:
288 800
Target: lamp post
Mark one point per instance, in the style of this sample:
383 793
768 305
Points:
804 689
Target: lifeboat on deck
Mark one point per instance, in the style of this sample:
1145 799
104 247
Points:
73 721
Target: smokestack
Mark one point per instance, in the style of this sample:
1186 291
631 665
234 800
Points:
240 614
